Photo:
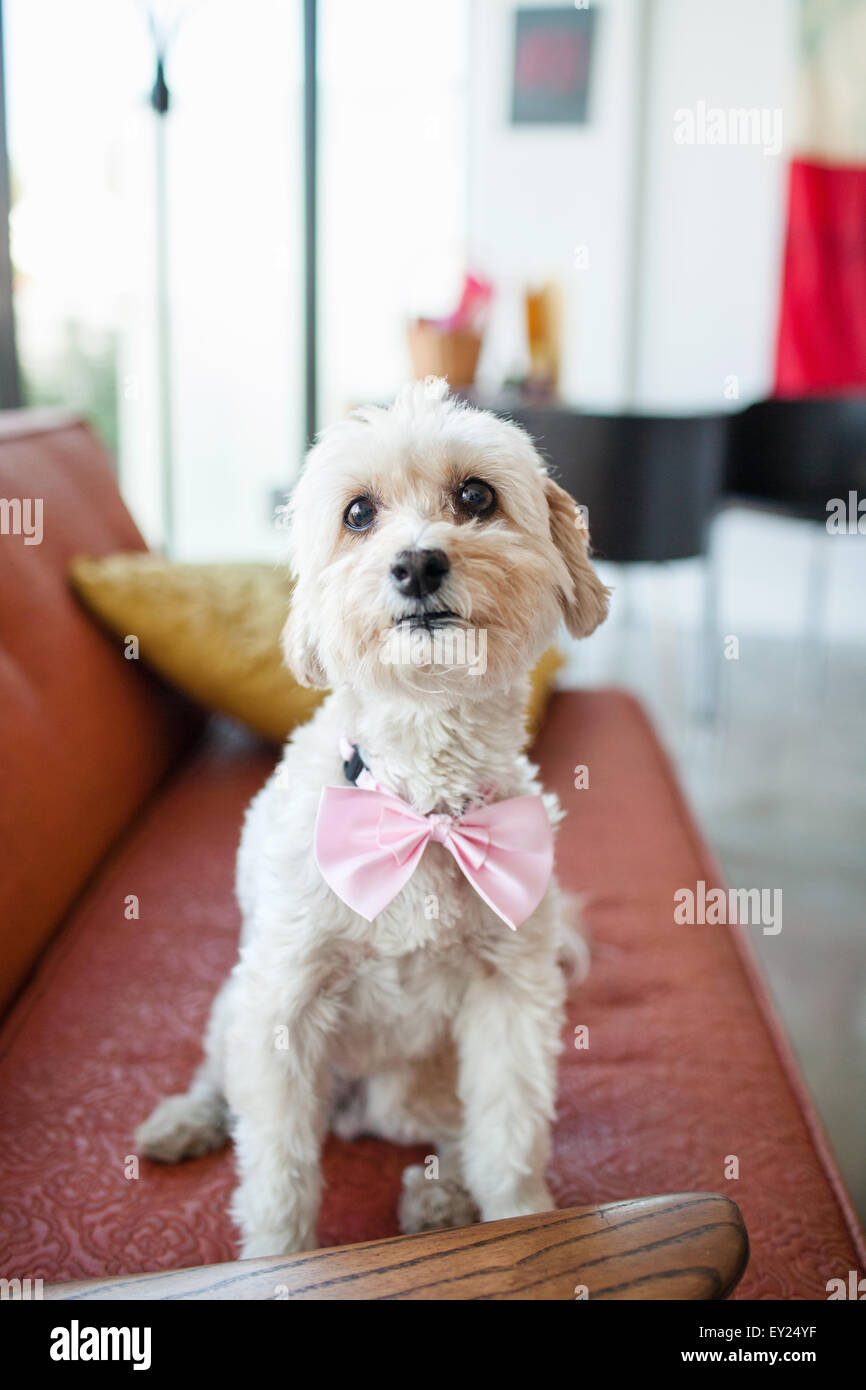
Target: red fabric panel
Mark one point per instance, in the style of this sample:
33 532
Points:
822 328
683 1068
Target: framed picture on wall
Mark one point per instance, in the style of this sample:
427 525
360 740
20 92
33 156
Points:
552 60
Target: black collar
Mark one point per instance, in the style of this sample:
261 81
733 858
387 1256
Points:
354 766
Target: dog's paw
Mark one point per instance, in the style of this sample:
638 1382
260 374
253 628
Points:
258 1245
182 1127
430 1204
532 1198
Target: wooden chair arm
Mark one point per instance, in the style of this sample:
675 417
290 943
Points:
690 1245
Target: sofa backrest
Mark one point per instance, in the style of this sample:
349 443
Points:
85 735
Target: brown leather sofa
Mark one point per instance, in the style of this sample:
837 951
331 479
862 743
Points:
113 786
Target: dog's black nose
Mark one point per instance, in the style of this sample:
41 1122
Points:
417 573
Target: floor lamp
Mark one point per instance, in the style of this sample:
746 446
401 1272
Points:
163 21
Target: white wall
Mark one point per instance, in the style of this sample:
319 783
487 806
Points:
714 215
538 192
712 218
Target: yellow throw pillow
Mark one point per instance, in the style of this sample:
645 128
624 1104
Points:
541 683
214 631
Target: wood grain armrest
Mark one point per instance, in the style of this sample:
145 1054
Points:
690 1245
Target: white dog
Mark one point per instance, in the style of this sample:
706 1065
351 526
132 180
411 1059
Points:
434 1021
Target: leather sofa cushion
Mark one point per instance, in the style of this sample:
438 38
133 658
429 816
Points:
685 1064
85 735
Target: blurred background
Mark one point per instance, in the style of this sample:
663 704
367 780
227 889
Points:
638 226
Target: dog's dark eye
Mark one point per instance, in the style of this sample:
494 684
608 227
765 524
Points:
476 498
360 514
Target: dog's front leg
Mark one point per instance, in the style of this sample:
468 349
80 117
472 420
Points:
278 1090
508 1039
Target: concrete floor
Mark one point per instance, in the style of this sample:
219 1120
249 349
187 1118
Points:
777 779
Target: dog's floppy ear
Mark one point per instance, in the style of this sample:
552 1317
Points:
300 651
586 606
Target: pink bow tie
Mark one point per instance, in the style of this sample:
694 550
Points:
368 844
